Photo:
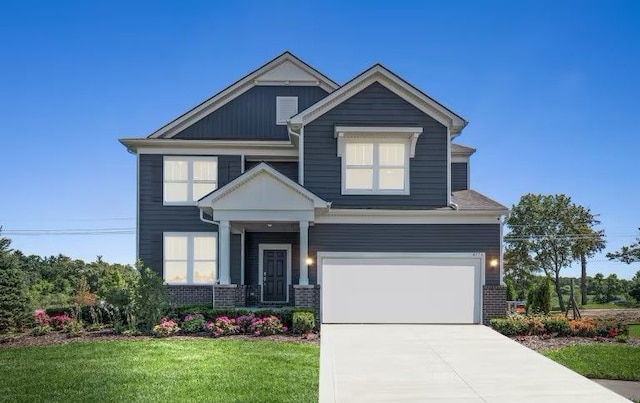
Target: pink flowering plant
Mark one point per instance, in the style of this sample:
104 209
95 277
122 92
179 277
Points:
222 326
41 320
193 323
167 327
245 322
267 326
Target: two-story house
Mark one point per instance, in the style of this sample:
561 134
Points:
286 188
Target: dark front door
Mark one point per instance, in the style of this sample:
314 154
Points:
274 266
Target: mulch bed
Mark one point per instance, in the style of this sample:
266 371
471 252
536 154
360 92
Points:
538 343
53 338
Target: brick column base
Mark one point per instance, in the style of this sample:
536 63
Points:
225 295
308 296
494 302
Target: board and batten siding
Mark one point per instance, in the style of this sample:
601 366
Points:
251 116
435 238
377 106
288 169
156 218
459 176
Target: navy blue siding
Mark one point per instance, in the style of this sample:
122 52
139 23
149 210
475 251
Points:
459 179
407 238
252 242
376 105
155 218
251 116
288 169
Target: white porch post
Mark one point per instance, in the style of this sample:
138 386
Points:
224 252
304 252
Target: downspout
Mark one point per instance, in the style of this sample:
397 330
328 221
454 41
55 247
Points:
213 296
503 221
453 205
300 151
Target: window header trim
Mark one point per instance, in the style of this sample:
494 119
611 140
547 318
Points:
377 133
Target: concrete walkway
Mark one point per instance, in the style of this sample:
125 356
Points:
443 363
628 389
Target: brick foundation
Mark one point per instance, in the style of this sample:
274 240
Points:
494 302
226 295
308 296
190 294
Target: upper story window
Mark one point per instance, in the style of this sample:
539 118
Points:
188 179
285 108
190 258
376 160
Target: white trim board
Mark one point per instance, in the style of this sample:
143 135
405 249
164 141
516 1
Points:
365 216
273 246
286 62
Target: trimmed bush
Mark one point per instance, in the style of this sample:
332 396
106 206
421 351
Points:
193 323
610 328
267 326
539 297
557 325
583 327
303 322
223 326
167 327
210 313
516 325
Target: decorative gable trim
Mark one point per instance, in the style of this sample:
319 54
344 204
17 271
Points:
394 83
405 133
210 199
273 71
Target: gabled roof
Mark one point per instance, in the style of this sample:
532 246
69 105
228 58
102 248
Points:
261 169
459 149
472 200
379 73
285 69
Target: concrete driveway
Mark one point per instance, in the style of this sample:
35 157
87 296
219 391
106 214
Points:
442 363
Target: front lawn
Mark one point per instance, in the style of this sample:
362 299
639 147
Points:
600 361
161 370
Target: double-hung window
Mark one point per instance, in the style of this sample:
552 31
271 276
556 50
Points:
190 258
375 160
188 179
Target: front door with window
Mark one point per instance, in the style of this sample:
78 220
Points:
274 272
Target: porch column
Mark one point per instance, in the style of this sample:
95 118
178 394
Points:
224 252
304 252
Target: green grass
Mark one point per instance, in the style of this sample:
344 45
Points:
634 330
602 361
161 370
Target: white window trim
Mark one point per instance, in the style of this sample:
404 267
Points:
278 100
189 160
375 167
273 246
190 257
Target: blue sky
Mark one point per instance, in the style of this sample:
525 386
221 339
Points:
550 90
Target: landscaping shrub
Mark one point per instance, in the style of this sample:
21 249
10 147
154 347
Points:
539 297
535 325
515 325
610 328
60 320
41 323
244 322
267 326
583 327
73 328
223 326
150 298
167 327
89 314
303 322
558 325
193 323
211 313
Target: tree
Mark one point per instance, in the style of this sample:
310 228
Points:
627 254
634 287
545 232
14 302
587 243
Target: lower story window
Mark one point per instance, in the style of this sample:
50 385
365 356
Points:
190 258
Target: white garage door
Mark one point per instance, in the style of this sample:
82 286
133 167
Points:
400 288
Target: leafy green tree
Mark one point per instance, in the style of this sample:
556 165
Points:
511 292
627 254
521 273
543 235
539 296
14 302
634 287
150 298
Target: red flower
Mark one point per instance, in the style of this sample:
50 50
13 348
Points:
613 332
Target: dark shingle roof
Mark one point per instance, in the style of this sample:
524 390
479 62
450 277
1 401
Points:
459 149
472 200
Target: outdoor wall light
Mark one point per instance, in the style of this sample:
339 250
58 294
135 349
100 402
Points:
309 261
493 263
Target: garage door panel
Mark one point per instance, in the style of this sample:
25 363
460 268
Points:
400 290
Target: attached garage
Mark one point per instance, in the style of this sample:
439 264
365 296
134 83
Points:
400 287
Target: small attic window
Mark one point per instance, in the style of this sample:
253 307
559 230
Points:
285 108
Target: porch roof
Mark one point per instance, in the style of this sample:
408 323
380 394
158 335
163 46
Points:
262 194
